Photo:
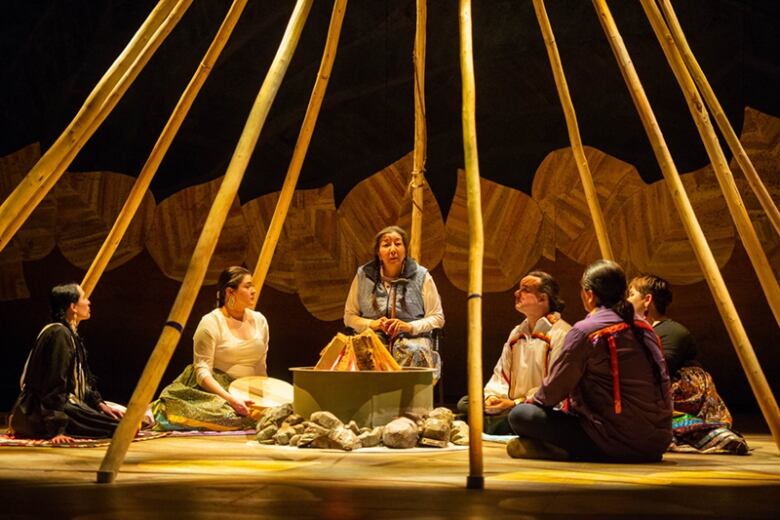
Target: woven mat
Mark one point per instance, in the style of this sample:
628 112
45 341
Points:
207 433
6 440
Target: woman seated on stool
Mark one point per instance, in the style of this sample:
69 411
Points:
230 342
59 400
396 297
612 370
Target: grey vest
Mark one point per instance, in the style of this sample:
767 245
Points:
375 300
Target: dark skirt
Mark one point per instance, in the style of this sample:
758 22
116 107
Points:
83 421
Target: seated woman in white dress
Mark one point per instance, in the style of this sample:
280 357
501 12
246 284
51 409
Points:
230 342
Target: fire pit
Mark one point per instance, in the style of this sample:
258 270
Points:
368 397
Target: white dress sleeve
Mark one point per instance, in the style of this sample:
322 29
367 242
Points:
204 346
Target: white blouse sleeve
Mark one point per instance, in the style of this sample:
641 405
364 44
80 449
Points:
434 315
352 317
204 346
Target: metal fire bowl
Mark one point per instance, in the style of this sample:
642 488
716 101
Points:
369 397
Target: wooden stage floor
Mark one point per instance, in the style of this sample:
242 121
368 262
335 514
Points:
231 477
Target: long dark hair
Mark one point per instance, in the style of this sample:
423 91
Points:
608 282
230 277
61 298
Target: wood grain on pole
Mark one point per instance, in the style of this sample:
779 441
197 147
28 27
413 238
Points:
420 132
476 479
301 147
591 195
38 182
157 154
736 206
182 306
740 155
705 257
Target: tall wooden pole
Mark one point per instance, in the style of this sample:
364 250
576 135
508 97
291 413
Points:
207 242
301 147
591 196
764 198
701 249
739 214
420 131
134 199
475 480
47 171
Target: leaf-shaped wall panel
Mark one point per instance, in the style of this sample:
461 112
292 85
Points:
659 242
324 264
761 139
12 284
88 205
558 190
178 221
35 239
384 199
512 222
258 214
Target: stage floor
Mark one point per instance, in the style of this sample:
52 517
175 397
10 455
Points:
232 477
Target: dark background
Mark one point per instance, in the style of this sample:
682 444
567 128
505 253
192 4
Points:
53 53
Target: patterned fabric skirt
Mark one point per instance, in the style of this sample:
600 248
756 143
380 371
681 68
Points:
701 421
417 352
184 405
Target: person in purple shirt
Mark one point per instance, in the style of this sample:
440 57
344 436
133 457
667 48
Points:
612 371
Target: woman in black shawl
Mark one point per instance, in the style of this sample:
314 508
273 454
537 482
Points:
59 400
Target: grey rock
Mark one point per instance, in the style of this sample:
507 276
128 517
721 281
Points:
283 436
443 414
315 429
400 433
344 439
433 443
275 416
459 433
267 433
352 425
370 438
326 419
294 419
436 429
294 439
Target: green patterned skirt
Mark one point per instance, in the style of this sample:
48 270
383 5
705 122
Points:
184 405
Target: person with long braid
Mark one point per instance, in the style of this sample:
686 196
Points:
59 400
612 371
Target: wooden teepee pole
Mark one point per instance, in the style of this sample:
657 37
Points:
50 167
764 198
591 196
420 131
696 236
739 214
475 480
301 147
157 154
207 242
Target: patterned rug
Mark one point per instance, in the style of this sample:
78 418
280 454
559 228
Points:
210 433
6 440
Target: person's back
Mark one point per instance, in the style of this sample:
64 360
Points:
627 416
